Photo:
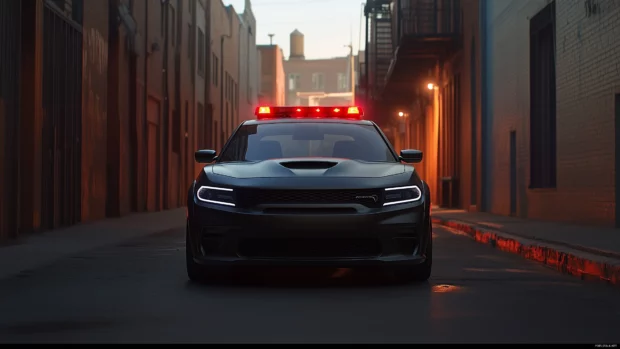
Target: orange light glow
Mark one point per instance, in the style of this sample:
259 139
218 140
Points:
353 110
264 110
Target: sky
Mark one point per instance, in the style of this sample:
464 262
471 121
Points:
328 25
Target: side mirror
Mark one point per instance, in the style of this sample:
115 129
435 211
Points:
411 155
205 156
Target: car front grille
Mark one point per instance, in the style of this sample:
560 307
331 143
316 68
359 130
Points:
366 197
309 248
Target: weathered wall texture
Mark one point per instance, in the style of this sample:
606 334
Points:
94 109
587 77
133 151
272 80
248 65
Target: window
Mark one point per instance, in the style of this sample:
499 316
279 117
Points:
542 99
343 84
318 84
289 140
173 26
294 82
201 53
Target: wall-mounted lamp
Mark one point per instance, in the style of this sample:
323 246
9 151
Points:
430 86
401 114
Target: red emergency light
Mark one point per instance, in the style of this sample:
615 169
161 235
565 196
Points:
347 112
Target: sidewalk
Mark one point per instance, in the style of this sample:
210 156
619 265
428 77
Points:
582 251
41 249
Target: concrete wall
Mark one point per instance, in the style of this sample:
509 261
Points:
587 52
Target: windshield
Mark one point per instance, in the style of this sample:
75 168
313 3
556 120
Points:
292 140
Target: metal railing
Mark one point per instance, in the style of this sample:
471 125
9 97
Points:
429 18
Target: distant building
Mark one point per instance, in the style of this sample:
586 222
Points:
224 48
248 64
272 78
308 79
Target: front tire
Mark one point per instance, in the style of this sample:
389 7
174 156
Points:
195 272
421 272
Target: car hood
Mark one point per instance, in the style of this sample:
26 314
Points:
307 167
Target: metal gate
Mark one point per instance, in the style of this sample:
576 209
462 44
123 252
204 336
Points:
62 120
10 25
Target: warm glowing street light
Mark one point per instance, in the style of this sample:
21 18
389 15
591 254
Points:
401 114
430 86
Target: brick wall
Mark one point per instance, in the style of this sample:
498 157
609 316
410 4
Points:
587 76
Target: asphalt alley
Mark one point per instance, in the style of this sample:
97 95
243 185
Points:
138 292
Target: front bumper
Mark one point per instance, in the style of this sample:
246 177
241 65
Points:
223 236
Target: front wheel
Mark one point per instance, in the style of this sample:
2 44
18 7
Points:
421 272
195 272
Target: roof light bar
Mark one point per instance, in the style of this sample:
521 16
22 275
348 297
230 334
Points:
346 112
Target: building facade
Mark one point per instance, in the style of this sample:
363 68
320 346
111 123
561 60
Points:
106 114
272 76
248 64
502 73
546 62
224 55
317 81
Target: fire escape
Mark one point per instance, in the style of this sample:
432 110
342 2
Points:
379 48
426 33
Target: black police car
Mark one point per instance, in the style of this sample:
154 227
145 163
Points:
312 186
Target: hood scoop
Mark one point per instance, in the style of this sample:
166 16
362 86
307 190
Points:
309 165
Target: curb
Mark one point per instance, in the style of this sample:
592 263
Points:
567 260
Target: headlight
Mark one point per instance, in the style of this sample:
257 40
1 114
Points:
215 195
402 195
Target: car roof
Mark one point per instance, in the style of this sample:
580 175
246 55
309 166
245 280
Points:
308 120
